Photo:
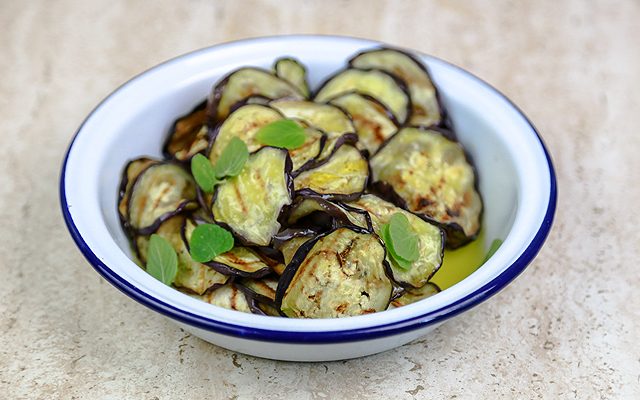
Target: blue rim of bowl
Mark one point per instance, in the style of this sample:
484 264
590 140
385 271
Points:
374 332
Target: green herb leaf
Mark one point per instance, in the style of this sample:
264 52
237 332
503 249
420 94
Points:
162 260
404 241
395 260
495 245
283 133
204 173
232 158
209 241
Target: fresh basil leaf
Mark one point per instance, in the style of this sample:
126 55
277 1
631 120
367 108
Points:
393 257
495 245
162 260
403 238
232 158
209 241
283 133
203 172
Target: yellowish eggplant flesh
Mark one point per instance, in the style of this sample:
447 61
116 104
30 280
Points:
433 178
188 136
250 203
342 177
161 191
129 175
244 83
413 295
238 262
373 122
339 274
426 109
294 72
430 240
193 276
228 296
384 87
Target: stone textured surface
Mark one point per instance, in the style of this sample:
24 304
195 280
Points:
567 328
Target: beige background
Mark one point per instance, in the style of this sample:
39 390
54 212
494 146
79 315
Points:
568 327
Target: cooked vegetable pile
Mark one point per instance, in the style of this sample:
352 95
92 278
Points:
274 201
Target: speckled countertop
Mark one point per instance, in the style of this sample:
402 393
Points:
566 328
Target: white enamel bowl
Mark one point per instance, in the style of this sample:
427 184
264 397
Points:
517 183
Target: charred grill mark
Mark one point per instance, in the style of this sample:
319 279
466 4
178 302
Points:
234 293
341 308
342 255
265 288
243 206
160 196
374 127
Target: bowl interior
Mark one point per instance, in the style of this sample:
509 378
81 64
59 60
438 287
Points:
134 121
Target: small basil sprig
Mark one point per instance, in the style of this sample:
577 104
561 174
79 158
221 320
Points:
230 163
283 133
401 241
209 241
162 260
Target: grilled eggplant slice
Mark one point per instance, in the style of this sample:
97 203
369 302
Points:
341 214
158 193
342 177
129 175
244 83
382 86
263 290
336 124
430 240
188 136
374 123
250 203
310 149
325 117
228 296
192 276
243 123
246 121
239 261
294 72
426 109
412 295
339 274
432 177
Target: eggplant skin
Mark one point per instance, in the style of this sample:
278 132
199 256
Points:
343 176
294 72
237 262
188 136
413 295
373 121
431 240
387 88
244 123
434 179
341 273
251 202
243 83
426 106
333 121
159 192
342 214
228 296
192 276
129 175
